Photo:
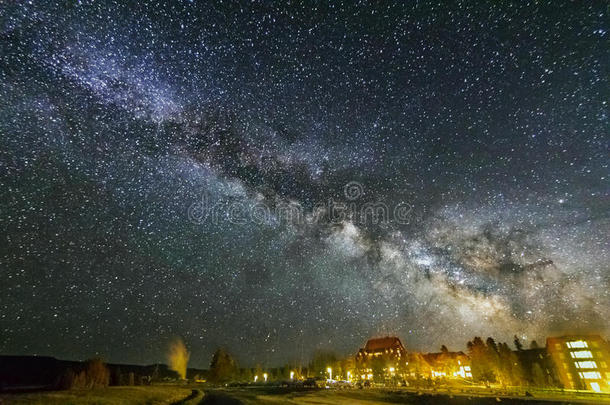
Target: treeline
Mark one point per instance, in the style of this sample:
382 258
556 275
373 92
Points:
224 368
94 373
493 362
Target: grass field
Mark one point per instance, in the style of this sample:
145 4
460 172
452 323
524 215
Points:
165 394
152 395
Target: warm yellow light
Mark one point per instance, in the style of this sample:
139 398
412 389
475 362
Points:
579 344
583 354
349 375
292 375
330 373
391 369
255 378
265 376
590 375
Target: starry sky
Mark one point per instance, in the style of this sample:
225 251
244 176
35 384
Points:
134 135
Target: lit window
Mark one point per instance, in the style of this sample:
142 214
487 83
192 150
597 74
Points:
585 364
595 387
579 344
590 375
467 368
583 354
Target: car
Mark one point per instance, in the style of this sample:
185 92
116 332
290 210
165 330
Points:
342 384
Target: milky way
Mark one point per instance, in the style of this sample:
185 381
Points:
136 137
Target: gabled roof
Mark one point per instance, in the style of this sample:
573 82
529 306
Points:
434 358
380 344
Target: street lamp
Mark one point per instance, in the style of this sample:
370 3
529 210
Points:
255 378
330 373
265 377
349 375
292 375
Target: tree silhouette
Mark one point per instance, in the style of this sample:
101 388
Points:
322 359
492 362
538 377
518 344
97 374
223 367
482 368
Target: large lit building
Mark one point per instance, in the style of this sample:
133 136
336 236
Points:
384 355
390 347
581 361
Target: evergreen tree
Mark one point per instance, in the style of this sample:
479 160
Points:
518 344
322 359
223 367
481 369
538 377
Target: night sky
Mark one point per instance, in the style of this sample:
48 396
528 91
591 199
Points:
134 135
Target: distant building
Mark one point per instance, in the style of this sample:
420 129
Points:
448 364
581 361
390 347
381 358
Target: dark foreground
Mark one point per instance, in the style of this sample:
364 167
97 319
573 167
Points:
185 395
373 397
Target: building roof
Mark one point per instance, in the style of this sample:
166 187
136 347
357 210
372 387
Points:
435 358
380 344
559 339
